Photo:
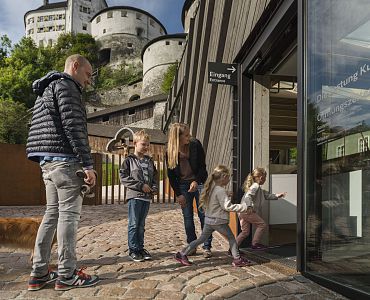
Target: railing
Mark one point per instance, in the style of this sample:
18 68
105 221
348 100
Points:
112 191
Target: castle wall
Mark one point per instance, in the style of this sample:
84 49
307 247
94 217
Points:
157 57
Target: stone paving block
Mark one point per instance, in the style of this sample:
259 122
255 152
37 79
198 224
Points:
214 274
262 280
206 288
250 294
9 294
193 296
223 293
143 284
223 280
242 285
273 290
88 292
166 295
141 293
197 280
294 287
111 291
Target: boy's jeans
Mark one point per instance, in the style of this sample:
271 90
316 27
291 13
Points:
63 209
137 213
188 214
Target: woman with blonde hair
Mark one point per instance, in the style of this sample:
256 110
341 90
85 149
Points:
217 204
187 172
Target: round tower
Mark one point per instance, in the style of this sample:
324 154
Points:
189 11
123 31
157 56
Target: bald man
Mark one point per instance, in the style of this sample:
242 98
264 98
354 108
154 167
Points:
58 141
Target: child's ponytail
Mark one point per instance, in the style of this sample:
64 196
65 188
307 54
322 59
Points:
218 173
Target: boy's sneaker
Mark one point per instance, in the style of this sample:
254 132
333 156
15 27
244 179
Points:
136 256
78 280
259 247
145 254
207 253
37 283
183 259
241 262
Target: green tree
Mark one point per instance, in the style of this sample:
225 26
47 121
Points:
5 47
13 122
168 78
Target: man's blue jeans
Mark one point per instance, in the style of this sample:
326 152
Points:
188 214
137 213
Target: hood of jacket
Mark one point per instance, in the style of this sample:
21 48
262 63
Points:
41 84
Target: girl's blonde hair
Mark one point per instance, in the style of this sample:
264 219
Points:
251 176
218 173
176 130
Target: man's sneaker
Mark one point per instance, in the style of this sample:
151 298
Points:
78 280
241 262
37 283
259 247
136 256
183 259
145 254
207 253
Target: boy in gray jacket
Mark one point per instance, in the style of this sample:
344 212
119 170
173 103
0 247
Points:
139 175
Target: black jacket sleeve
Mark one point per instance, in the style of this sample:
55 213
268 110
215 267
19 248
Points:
174 179
201 175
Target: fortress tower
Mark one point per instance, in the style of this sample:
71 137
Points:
123 31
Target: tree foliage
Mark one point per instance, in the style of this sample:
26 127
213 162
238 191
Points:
168 78
13 122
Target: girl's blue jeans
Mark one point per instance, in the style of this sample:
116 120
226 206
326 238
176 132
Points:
188 214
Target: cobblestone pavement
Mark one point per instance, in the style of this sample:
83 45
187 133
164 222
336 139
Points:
102 247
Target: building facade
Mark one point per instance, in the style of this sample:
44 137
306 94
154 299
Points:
46 23
301 90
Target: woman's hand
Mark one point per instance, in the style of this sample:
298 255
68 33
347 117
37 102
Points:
193 187
146 188
181 200
249 210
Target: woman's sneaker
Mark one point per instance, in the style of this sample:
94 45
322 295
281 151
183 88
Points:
241 262
145 254
78 280
183 259
259 247
37 283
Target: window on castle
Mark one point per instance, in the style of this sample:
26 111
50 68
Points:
129 45
167 43
97 19
138 16
104 30
363 144
131 111
139 31
105 118
84 26
110 14
180 43
123 13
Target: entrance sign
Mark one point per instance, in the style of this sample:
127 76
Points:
220 73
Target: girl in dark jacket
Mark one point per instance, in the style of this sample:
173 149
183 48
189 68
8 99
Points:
187 172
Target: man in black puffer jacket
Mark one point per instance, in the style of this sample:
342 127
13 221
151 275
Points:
58 140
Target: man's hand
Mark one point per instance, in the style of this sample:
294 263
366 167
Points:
181 200
146 188
193 187
90 177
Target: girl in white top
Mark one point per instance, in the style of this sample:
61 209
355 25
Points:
253 198
217 204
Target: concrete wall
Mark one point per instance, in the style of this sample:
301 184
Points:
54 26
156 60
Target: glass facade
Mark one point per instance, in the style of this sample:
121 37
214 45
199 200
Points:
336 140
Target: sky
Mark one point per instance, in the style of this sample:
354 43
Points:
168 12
